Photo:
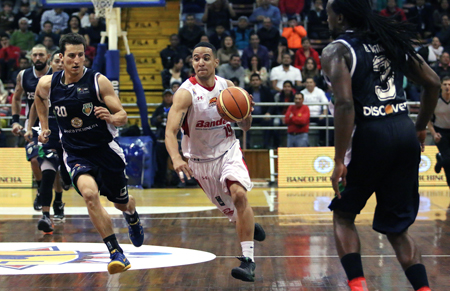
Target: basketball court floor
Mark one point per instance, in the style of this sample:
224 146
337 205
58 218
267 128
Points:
189 245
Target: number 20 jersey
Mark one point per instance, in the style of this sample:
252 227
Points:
206 134
377 88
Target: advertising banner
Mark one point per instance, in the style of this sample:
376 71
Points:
15 170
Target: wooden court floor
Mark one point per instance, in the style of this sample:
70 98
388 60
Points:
298 253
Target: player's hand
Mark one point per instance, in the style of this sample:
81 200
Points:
339 175
16 128
103 114
43 137
421 135
28 136
182 168
252 104
437 137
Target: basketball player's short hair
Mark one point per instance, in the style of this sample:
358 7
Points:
446 78
39 45
208 45
71 38
57 52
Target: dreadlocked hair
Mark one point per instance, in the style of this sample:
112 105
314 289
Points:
396 38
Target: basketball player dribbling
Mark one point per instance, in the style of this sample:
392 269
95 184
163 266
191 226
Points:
377 146
215 157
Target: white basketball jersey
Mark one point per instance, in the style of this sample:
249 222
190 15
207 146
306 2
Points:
206 134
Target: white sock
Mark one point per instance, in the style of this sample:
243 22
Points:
247 249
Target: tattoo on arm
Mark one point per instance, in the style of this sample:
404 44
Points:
182 119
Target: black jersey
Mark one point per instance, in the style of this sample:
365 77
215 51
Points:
29 84
73 105
377 87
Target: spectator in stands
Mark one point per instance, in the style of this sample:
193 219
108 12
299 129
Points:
94 31
305 52
241 33
262 93
57 17
294 34
188 69
285 72
317 22
286 95
297 120
218 36
442 67
443 9
444 33
256 49
310 70
23 38
422 16
292 8
432 53
314 95
7 23
190 33
233 70
173 49
9 58
255 67
266 10
219 12
33 19
83 15
175 74
204 38
282 49
195 8
227 50
269 37
174 86
50 45
159 119
393 11
88 62
48 31
74 26
24 63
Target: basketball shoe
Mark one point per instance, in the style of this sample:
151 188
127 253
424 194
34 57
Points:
46 225
58 210
259 234
37 203
425 288
246 271
438 166
136 233
358 284
119 263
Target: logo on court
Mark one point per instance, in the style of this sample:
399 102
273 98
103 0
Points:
323 164
425 164
87 108
61 258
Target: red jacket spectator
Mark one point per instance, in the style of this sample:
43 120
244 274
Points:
396 12
291 7
297 119
300 57
10 52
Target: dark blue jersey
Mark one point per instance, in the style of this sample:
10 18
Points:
29 84
73 105
377 87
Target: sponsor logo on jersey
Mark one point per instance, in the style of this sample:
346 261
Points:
384 110
76 122
82 90
212 101
87 108
202 124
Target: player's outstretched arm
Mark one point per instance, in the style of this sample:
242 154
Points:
335 65
116 115
16 104
182 100
41 97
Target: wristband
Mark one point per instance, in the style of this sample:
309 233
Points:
15 118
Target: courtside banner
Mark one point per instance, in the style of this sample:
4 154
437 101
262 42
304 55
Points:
15 170
313 166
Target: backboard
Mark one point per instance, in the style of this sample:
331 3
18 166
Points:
88 3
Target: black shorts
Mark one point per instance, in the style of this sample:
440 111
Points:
106 165
385 159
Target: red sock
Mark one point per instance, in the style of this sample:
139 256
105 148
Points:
359 284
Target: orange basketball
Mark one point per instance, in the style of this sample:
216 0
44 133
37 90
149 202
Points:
234 104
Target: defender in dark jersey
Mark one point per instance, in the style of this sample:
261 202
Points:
377 146
88 111
50 159
27 81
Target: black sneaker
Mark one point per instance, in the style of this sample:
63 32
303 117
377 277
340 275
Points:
259 234
46 225
438 166
246 271
58 210
37 203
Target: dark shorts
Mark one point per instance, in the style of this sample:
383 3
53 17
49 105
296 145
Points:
106 165
385 160
32 148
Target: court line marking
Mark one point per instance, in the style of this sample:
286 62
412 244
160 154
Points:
336 256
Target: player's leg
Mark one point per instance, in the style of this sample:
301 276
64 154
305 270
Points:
46 195
135 229
37 174
58 205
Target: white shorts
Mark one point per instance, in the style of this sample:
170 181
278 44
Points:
213 175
